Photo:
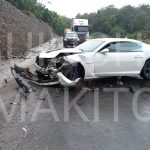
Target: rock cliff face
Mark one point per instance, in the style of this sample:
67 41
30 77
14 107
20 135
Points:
20 31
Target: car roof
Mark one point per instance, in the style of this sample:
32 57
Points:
71 32
116 39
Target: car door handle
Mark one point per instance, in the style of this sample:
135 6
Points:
138 57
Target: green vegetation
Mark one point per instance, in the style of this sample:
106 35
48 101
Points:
131 22
98 35
57 22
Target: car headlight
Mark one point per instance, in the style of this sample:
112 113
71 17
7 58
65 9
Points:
78 39
65 39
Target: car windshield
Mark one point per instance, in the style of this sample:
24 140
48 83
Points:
71 35
90 45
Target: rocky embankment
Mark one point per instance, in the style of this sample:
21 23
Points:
20 31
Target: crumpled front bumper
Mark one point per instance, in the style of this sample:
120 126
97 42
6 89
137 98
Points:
24 77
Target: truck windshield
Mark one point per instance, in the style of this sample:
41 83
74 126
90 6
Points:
90 46
81 28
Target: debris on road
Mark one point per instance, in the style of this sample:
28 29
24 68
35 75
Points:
21 82
24 129
13 103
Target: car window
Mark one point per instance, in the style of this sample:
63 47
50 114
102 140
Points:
124 47
90 45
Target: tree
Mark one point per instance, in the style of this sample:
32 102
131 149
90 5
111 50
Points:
128 21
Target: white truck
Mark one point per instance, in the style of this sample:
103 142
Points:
81 27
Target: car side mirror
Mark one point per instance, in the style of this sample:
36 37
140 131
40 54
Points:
104 51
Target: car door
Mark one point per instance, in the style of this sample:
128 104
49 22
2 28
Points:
123 58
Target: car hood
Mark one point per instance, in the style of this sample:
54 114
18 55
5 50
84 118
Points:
53 54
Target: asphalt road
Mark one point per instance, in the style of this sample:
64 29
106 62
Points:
96 121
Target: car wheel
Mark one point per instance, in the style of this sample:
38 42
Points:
145 73
73 74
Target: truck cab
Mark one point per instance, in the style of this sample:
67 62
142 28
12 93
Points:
80 26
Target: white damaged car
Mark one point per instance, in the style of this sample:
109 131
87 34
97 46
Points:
92 59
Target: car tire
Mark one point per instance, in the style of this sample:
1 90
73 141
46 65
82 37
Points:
73 74
76 72
145 73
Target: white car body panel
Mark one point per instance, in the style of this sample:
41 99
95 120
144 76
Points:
112 64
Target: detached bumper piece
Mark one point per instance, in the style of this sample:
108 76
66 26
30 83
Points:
24 76
26 87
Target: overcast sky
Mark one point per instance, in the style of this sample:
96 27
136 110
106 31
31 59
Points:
70 8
